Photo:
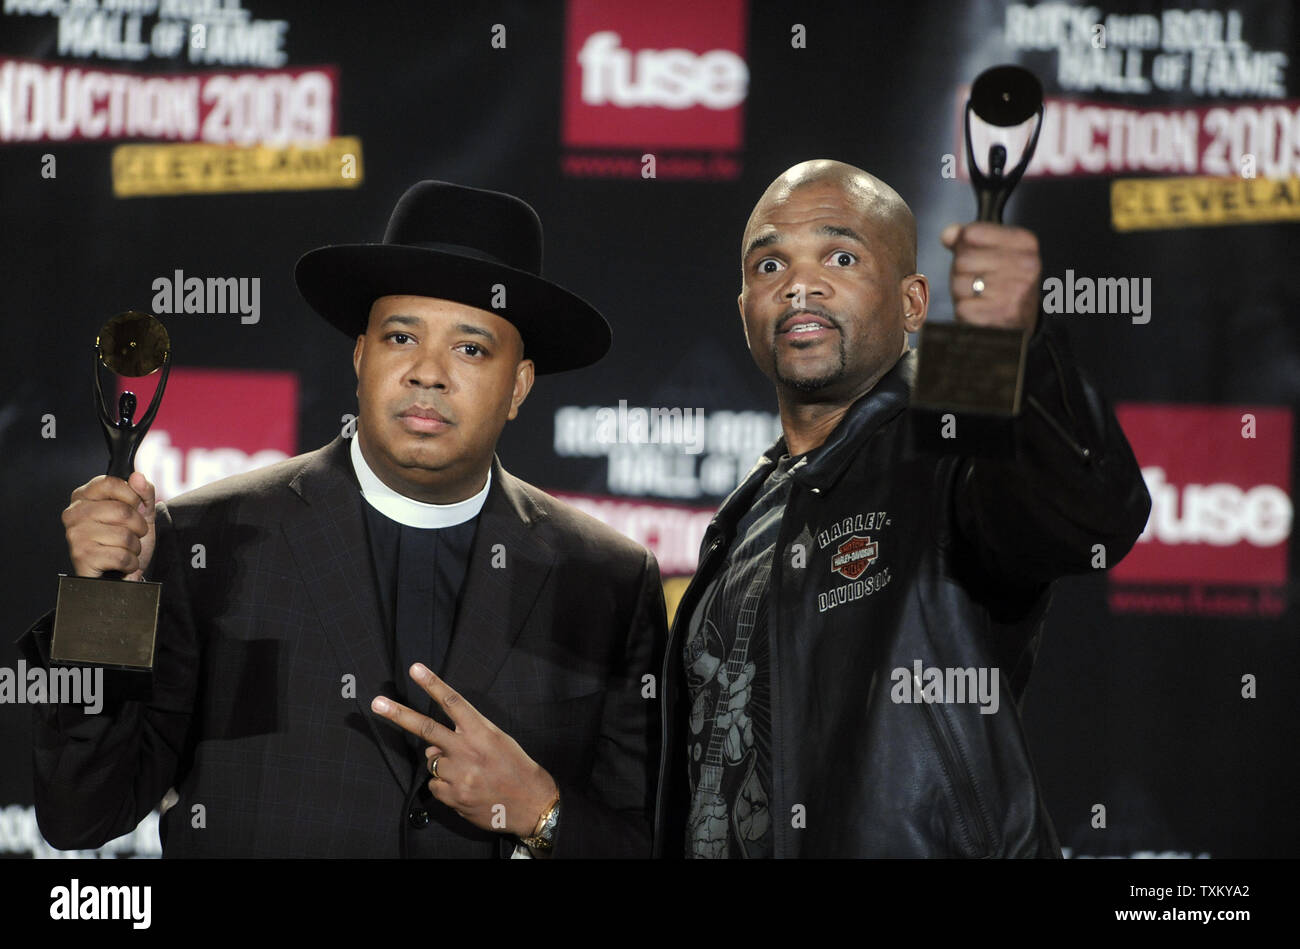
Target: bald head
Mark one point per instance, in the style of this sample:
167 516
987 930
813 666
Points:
876 202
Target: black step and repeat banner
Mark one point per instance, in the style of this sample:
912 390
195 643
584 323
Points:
179 155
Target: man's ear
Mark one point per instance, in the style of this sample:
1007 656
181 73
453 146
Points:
740 305
523 385
356 356
916 301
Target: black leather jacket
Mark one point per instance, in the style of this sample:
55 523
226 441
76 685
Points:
959 578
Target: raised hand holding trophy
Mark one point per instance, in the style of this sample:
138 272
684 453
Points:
105 621
969 379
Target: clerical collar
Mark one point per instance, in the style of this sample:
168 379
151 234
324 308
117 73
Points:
408 511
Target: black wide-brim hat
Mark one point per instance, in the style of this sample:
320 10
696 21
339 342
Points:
471 246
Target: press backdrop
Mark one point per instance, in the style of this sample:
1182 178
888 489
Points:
146 146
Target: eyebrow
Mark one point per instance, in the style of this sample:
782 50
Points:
469 329
826 230
402 320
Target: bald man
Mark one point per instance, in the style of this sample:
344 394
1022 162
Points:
844 672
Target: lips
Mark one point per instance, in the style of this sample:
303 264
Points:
417 411
800 323
804 324
423 420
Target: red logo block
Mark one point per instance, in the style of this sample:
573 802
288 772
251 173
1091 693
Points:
1221 510
214 423
670 74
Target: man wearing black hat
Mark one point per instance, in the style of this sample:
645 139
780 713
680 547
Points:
400 574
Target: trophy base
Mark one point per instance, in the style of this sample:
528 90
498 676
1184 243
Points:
969 385
109 623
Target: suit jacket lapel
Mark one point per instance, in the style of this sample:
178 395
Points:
327 537
508 566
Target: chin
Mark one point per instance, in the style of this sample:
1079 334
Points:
429 461
809 385
412 454
809 378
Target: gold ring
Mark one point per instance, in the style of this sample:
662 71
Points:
433 767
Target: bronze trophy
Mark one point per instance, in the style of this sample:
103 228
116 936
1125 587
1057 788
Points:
969 379
105 620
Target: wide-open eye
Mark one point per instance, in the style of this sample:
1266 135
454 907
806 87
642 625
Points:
842 258
769 265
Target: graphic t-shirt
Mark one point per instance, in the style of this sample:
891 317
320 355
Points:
725 655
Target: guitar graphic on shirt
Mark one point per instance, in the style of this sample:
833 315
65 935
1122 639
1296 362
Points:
710 831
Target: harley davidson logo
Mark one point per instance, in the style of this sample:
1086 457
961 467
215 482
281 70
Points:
854 556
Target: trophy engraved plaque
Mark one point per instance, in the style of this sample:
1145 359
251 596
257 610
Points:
106 620
976 373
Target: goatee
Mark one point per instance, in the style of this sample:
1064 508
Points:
814 383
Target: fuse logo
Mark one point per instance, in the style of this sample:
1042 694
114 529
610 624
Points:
1221 509
1217 514
671 78
647 77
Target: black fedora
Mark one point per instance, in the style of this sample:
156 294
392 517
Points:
471 246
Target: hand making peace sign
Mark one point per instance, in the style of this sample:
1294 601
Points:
477 765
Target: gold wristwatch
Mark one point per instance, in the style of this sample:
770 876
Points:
543 836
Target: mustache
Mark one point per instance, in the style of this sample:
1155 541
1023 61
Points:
826 315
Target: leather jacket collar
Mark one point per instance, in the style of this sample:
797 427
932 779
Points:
889 396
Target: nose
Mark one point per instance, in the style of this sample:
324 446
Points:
806 279
428 369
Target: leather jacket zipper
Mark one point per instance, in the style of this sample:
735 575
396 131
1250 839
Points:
1084 454
969 811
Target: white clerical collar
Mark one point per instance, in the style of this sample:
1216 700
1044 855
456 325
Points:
408 511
